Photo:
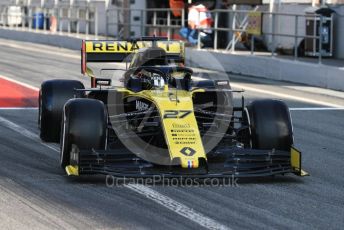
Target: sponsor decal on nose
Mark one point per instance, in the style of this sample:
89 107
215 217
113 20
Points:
141 106
187 151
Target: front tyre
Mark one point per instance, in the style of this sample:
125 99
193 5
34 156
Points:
270 125
84 125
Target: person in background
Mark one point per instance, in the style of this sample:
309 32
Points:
199 19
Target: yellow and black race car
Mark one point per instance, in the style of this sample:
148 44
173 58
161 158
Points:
160 120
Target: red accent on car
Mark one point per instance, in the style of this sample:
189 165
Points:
83 57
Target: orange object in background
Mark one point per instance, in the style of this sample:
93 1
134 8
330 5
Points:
176 5
53 24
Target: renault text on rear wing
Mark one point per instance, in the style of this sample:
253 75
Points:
118 51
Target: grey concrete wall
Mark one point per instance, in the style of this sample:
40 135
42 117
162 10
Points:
46 39
271 68
339 32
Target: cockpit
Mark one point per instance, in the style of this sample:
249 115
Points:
155 78
150 69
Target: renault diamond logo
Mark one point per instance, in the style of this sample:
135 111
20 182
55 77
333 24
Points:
187 151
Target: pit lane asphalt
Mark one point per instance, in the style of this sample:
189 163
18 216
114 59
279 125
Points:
34 193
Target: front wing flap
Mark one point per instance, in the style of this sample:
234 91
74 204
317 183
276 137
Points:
226 162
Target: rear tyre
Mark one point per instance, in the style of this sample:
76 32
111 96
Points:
52 97
84 125
270 125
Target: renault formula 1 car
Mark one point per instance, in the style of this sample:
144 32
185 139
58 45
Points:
160 120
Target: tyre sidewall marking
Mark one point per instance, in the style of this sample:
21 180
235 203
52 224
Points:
63 136
249 125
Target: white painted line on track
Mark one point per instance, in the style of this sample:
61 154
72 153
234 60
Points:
317 109
280 95
287 96
21 130
25 47
149 193
177 207
19 83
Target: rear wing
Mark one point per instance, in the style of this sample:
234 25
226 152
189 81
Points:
118 51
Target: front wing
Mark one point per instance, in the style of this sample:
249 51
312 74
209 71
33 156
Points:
225 162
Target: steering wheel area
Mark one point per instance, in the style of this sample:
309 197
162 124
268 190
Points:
152 78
